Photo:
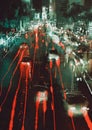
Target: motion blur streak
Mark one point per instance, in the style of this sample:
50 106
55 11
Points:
44 110
36 38
52 93
14 105
36 47
26 94
73 123
10 85
70 113
87 119
37 109
8 71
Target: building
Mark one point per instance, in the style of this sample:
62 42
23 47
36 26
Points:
61 8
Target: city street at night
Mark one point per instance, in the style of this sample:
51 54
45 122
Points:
45 67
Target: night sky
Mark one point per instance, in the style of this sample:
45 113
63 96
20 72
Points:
8 7
37 4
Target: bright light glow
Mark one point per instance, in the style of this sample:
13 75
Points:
84 108
71 64
68 50
25 64
36 27
28 63
42 96
77 110
53 56
72 108
2 41
79 79
81 61
50 34
55 39
37 16
44 13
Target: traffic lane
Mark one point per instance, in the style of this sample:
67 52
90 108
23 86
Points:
72 90
62 120
57 116
39 109
33 108
10 91
9 66
59 109
9 83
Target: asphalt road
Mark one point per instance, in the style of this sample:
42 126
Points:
32 97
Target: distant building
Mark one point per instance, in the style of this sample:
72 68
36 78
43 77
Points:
61 8
61 5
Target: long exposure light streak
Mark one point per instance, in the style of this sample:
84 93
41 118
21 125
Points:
70 113
52 92
37 109
44 103
12 115
87 119
73 125
36 38
44 111
8 71
10 84
35 49
41 99
26 94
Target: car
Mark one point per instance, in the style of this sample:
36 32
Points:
25 47
25 64
77 103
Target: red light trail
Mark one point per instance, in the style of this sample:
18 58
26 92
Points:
41 99
16 95
26 94
52 92
35 49
11 123
37 109
44 103
10 84
87 119
70 113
